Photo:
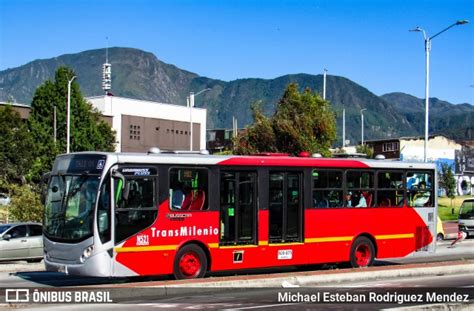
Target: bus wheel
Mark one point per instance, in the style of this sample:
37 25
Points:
362 252
190 262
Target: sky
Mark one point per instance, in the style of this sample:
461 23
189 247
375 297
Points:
367 41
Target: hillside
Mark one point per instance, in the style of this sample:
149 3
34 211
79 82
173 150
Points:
135 73
455 121
139 74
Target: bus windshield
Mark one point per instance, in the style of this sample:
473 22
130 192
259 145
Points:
69 207
467 210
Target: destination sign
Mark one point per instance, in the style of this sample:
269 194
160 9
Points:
80 163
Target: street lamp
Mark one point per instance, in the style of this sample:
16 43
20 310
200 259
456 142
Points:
362 125
190 100
68 133
427 71
54 124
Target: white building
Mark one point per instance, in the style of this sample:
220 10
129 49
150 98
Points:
142 124
439 150
439 147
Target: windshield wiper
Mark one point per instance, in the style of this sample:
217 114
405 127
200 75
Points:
73 189
78 184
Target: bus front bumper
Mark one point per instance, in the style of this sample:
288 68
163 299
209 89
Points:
98 265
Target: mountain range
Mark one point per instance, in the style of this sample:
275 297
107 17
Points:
141 75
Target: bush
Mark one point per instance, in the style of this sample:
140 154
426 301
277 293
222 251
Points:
25 203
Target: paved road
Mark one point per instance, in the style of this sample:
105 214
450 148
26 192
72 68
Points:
265 298
33 275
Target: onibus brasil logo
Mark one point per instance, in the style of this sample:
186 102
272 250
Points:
26 295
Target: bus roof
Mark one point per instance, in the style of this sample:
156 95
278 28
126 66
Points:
236 160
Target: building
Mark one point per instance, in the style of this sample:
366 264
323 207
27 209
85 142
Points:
219 140
412 148
22 109
142 124
464 167
440 150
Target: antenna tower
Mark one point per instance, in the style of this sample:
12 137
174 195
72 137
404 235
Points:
107 71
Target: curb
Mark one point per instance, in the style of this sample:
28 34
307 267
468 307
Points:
434 307
163 289
317 278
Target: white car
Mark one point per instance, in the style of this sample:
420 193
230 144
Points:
4 199
21 241
466 217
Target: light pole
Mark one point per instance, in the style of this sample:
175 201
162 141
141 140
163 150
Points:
190 100
54 124
324 83
343 128
68 133
362 125
427 75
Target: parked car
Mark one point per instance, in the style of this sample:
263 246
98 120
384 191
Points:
439 230
466 217
4 199
21 241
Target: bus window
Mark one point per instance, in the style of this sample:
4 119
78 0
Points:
276 206
238 207
138 210
327 188
293 207
188 189
419 189
103 211
390 189
360 185
285 207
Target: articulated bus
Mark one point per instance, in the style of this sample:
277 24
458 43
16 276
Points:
125 214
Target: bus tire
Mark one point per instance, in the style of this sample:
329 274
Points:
362 252
190 262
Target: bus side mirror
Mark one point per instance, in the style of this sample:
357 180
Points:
44 186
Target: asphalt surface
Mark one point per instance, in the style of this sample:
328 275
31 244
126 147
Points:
22 274
432 291
449 269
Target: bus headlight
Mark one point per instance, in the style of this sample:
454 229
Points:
87 253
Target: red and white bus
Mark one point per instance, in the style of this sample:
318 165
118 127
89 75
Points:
119 214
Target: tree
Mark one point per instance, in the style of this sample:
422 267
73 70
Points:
257 138
366 150
302 122
447 180
16 145
88 131
25 202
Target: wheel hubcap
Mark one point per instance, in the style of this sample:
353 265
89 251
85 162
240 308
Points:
189 264
362 255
